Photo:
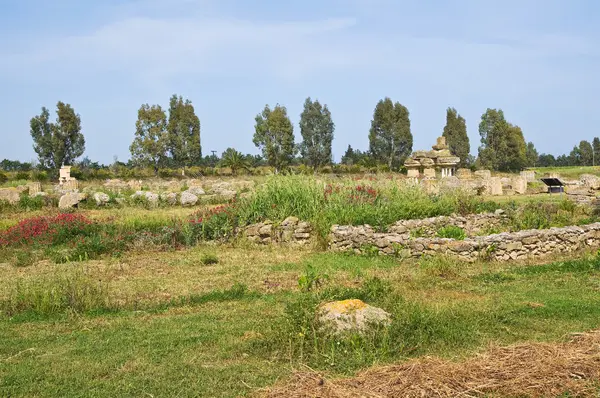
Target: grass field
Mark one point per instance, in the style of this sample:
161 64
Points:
164 324
156 317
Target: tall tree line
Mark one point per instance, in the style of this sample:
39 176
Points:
171 138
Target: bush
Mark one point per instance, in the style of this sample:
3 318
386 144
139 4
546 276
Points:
209 259
452 232
22 175
217 223
39 175
3 178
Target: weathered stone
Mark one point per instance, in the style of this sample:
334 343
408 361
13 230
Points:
188 199
198 191
266 230
101 198
10 195
519 184
483 174
70 200
152 198
351 316
290 221
464 174
529 175
169 198
590 181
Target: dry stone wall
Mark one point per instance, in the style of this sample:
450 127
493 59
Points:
291 230
474 224
500 247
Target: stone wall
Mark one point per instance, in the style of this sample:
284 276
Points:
473 224
291 230
499 247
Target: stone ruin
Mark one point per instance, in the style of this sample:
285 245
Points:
427 163
65 181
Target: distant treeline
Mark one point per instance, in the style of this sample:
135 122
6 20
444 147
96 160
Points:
170 140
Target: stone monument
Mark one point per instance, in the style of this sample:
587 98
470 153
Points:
426 163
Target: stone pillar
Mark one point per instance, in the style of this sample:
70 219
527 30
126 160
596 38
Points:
413 173
429 172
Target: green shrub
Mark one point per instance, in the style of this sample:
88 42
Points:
22 175
209 259
452 232
311 279
29 203
3 178
39 175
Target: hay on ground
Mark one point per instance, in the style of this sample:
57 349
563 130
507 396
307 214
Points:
530 370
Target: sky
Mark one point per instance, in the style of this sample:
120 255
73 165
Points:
538 60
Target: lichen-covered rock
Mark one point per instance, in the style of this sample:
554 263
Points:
169 198
198 191
351 316
152 198
101 198
188 199
70 200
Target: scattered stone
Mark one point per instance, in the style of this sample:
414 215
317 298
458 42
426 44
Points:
590 181
198 191
351 316
152 198
188 199
483 174
519 184
464 174
169 198
528 175
101 198
70 200
10 195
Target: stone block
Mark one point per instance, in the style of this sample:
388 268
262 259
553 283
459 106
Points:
413 173
528 175
519 184
484 174
429 172
464 174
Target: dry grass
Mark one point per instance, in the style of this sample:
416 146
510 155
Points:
531 370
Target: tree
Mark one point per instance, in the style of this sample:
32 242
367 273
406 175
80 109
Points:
596 148
586 153
349 156
457 139
149 147
183 133
59 143
390 139
316 128
234 160
274 135
503 146
532 155
546 160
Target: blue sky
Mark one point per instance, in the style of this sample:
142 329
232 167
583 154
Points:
538 60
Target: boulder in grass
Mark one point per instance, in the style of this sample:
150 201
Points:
70 200
351 316
101 198
169 198
10 195
152 198
198 191
188 199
